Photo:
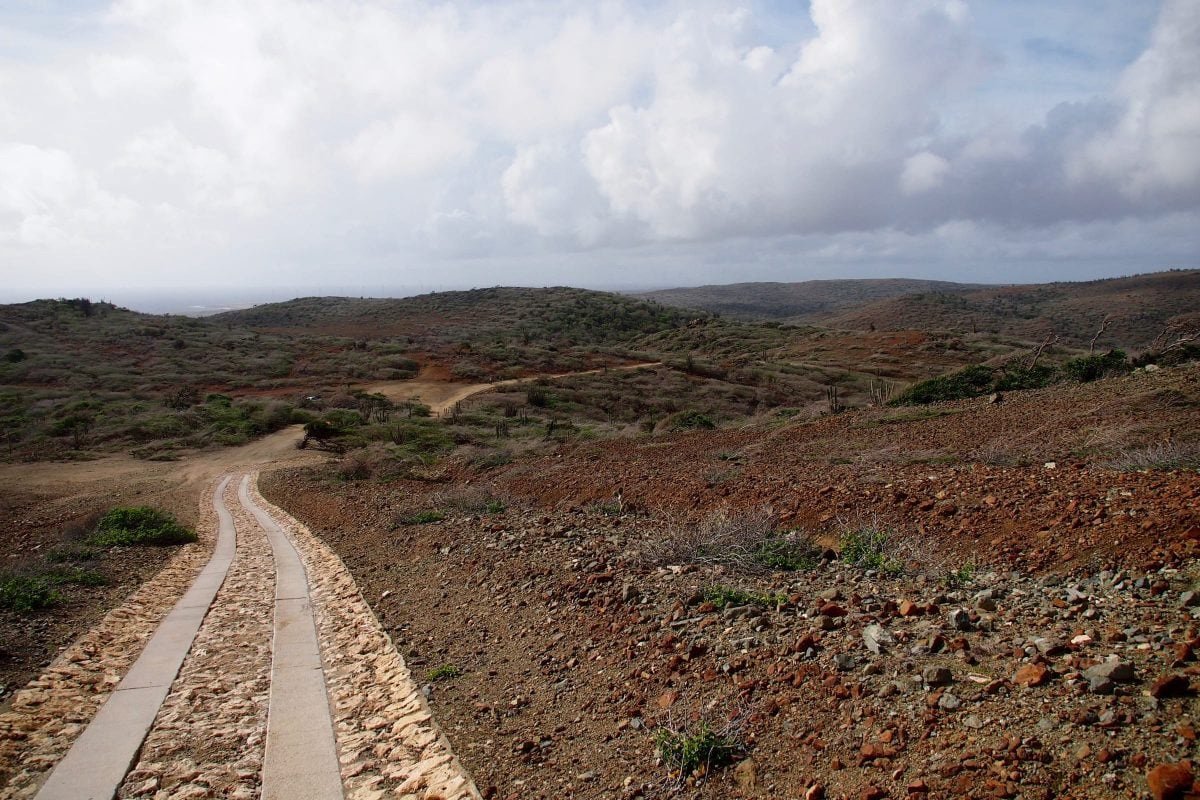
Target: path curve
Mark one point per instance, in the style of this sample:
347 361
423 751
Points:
441 397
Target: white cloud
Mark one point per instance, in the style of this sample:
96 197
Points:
372 132
923 172
1154 149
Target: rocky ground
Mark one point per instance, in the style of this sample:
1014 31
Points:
1038 643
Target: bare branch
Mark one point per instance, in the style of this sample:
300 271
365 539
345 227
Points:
1099 333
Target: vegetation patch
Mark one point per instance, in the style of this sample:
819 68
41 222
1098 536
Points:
869 546
1162 456
698 752
443 673
138 526
692 421
1086 369
423 518
26 593
724 596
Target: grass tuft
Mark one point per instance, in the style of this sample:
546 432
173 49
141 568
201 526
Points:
443 673
700 751
139 526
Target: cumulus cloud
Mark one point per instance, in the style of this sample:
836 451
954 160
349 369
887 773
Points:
372 134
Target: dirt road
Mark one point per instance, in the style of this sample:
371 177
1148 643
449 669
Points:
441 396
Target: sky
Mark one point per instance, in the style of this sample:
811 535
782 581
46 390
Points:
368 146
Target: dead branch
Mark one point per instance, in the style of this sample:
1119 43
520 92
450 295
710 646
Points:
1050 341
1099 333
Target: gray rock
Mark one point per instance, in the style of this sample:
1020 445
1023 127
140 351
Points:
960 618
1189 599
972 720
1048 646
949 702
844 661
1113 669
936 676
877 638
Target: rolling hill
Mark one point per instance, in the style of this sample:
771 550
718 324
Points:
1139 307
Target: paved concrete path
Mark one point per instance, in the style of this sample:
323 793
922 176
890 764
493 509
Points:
96 764
301 760
330 667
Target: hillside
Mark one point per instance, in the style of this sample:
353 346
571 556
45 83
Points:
557 316
800 303
618 591
1138 307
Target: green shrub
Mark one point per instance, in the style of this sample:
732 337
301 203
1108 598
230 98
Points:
27 593
15 355
1018 376
968 382
139 525
70 553
723 596
684 753
1090 368
76 576
867 546
443 673
785 554
1179 354
963 576
691 421
423 518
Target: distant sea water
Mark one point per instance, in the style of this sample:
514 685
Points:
203 302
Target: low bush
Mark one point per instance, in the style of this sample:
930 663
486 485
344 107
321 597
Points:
422 518
747 542
692 421
1164 456
139 525
969 382
698 751
869 546
27 593
1086 369
443 673
724 596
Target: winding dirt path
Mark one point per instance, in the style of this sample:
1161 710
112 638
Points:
441 396
264 673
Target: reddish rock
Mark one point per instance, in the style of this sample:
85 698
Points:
1170 686
909 609
1170 781
815 792
873 793
1032 675
917 787
833 610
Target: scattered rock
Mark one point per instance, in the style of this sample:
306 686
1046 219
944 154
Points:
1170 686
1032 675
1170 781
877 638
936 676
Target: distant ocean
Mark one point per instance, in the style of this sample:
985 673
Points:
202 302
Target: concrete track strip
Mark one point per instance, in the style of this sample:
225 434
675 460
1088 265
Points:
96 764
301 759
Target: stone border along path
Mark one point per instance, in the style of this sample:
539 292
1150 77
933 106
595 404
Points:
96 764
208 737
206 726
300 761
388 743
